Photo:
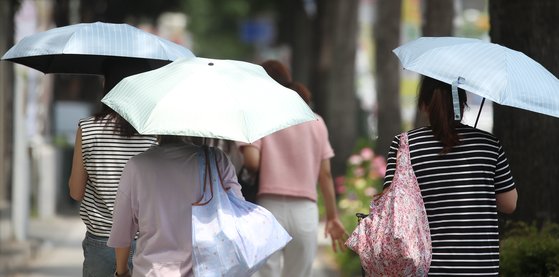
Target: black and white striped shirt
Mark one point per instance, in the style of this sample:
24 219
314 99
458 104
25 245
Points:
104 156
458 190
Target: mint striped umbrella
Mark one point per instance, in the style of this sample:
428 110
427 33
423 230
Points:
210 98
82 48
492 71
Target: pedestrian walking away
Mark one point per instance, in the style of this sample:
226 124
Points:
465 180
104 143
289 163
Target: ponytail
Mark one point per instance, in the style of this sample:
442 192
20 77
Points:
435 97
302 90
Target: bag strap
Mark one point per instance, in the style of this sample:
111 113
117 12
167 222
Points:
207 173
209 158
403 149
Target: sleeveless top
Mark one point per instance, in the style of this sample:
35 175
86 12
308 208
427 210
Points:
105 154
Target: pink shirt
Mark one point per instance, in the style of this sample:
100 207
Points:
155 197
290 159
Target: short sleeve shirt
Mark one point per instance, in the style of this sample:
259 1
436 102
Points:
290 159
458 190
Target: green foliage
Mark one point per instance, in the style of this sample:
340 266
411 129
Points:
528 250
363 179
215 26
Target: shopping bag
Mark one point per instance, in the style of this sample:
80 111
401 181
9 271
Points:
231 237
394 239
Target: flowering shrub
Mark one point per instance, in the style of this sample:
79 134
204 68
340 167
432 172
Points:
363 179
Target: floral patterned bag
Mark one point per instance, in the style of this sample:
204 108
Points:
394 239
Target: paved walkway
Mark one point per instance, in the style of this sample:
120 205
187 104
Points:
57 252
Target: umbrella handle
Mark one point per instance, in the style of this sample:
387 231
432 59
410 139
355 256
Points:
478 113
456 99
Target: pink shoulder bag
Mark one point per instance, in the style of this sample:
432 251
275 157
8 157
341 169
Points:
394 239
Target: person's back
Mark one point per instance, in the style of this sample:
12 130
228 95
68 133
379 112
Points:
105 154
465 179
290 163
458 190
104 143
155 197
298 151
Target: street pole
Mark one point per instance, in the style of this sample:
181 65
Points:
20 178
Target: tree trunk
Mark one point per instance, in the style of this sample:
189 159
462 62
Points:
528 138
296 28
334 82
438 18
387 37
7 11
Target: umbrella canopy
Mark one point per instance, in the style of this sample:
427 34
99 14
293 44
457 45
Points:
82 48
490 70
211 98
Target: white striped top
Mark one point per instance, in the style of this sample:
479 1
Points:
458 190
105 154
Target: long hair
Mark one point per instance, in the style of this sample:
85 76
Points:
114 71
302 90
278 72
435 97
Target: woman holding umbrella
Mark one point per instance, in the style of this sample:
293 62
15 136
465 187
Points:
464 178
104 143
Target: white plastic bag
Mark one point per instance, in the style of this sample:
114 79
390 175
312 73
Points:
231 237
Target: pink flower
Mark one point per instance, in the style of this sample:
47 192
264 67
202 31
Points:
359 172
367 153
355 159
339 184
370 191
379 164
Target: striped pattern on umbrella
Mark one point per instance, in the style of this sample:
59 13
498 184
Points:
51 51
502 75
210 98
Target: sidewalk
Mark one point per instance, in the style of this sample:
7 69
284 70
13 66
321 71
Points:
56 250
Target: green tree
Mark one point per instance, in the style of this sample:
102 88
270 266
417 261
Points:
216 26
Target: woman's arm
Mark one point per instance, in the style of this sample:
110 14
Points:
506 201
78 175
122 261
334 226
251 157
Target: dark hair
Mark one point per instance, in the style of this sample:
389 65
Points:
436 98
278 72
114 70
302 90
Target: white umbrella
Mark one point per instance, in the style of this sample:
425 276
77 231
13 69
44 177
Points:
82 48
211 98
490 70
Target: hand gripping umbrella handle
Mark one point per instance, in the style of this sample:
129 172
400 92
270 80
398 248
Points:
456 99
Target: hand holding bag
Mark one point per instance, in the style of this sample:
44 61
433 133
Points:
231 237
394 240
